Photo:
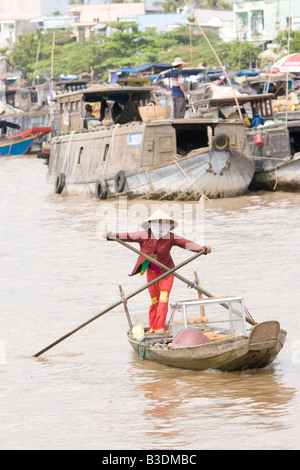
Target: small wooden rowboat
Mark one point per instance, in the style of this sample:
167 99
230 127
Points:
201 345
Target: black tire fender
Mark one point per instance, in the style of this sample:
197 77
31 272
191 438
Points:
101 189
220 143
120 181
59 184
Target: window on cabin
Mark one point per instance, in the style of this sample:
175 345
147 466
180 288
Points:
106 149
80 155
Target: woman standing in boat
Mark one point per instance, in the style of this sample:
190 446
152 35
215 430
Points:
179 95
156 240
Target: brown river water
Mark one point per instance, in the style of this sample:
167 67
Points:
91 391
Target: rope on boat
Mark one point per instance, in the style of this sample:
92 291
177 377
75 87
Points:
111 145
67 154
167 194
143 354
187 176
195 283
249 316
123 298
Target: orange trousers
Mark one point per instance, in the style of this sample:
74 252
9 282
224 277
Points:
159 294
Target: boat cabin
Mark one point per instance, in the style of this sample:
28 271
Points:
67 86
274 83
108 104
271 138
250 105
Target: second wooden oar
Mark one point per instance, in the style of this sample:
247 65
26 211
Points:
141 289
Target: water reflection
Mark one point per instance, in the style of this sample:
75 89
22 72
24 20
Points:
175 398
91 390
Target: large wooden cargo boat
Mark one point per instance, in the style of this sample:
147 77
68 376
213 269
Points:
161 158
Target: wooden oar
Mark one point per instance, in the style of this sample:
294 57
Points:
124 301
110 236
111 307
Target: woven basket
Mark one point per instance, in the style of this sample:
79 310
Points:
154 112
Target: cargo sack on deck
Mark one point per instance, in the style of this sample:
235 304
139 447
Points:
138 332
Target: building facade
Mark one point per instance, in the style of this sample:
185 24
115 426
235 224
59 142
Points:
15 16
61 22
85 18
261 21
221 22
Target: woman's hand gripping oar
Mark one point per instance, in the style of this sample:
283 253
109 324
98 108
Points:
141 289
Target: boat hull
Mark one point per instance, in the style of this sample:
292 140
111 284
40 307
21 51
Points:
18 146
21 142
232 354
283 177
214 173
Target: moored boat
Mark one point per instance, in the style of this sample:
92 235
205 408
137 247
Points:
21 142
273 145
282 176
212 341
157 158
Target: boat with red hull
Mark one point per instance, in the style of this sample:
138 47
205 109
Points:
20 143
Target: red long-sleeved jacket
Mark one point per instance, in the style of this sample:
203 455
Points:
161 247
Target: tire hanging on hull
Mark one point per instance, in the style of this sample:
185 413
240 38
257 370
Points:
101 189
120 181
59 184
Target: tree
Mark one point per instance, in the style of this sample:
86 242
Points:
78 2
171 6
215 4
125 47
282 40
23 52
242 55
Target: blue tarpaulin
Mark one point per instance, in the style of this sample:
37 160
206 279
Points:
158 67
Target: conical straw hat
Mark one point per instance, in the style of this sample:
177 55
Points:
178 61
158 215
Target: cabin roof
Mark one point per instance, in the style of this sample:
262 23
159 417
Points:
275 77
241 99
96 92
72 82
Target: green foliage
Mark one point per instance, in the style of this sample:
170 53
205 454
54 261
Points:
282 40
76 2
24 52
242 55
171 6
215 4
126 47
